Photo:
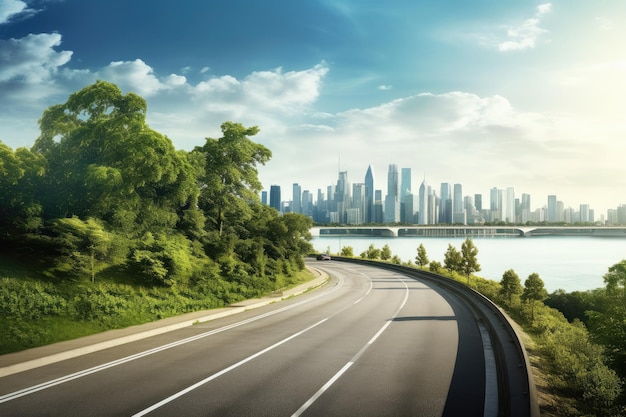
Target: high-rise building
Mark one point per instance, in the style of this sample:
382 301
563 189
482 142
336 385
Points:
275 200
551 215
342 195
369 196
358 200
296 200
508 205
445 209
422 215
392 201
307 203
405 183
405 189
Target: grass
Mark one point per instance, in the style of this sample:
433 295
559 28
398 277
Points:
35 312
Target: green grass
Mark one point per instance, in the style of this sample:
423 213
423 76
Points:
36 312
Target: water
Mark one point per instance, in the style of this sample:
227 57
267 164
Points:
568 263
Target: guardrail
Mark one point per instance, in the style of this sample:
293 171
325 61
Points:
517 393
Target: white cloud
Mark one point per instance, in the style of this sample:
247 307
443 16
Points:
526 35
384 87
10 8
31 59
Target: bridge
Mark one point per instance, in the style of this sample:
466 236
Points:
469 231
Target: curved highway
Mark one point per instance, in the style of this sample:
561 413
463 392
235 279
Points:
371 343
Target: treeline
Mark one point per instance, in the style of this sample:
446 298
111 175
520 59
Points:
580 337
100 194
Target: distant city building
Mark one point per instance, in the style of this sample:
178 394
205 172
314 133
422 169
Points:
369 196
360 203
296 201
275 200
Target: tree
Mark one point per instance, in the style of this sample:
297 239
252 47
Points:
385 253
421 259
615 280
103 160
510 285
347 251
534 291
371 252
85 243
452 259
230 180
434 266
470 262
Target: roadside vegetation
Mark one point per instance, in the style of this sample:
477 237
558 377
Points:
576 341
104 224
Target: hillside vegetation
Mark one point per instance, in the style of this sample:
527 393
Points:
103 223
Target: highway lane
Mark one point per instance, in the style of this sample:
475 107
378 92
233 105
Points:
372 342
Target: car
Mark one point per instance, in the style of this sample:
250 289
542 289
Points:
323 257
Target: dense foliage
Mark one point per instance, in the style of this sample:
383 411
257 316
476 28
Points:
101 196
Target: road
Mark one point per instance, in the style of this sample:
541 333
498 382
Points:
370 343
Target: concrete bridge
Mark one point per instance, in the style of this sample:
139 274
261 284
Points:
469 231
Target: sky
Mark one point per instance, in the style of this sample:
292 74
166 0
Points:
486 93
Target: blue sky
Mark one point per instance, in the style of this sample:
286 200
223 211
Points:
487 93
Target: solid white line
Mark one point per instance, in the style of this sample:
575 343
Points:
356 357
224 371
85 372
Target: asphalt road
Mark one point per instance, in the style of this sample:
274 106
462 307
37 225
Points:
370 343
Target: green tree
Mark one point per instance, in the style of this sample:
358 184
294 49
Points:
371 253
510 286
86 245
469 254
435 266
534 291
422 258
452 259
347 251
385 253
615 280
103 160
20 176
230 180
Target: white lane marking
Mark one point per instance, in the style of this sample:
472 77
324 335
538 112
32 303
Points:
224 371
356 357
368 290
49 384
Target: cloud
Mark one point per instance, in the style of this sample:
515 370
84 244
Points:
384 87
31 59
526 35
10 8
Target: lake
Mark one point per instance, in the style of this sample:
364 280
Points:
568 263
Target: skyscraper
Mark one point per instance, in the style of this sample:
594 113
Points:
405 189
275 197
422 215
445 210
551 217
296 201
369 196
392 202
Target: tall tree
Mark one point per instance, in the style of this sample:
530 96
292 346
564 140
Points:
534 291
452 259
103 160
615 280
230 180
422 258
21 173
469 254
510 285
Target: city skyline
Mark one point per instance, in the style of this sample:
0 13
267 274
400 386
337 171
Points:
529 94
506 199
